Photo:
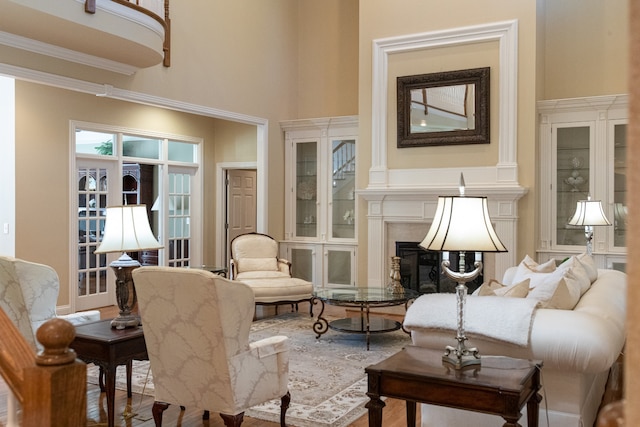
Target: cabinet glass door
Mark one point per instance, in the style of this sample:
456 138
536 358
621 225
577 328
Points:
306 189
339 268
302 263
572 173
343 184
620 185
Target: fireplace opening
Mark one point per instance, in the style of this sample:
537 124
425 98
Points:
421 271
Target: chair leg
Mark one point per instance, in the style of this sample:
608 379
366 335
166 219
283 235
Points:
232 420
205 415
157 410
284 405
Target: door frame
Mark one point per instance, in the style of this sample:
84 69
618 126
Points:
221 206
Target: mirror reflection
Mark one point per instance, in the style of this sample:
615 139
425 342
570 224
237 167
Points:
444 108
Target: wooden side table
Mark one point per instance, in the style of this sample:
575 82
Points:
500 386
109 348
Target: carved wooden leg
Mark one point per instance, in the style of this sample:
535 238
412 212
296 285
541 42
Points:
233 420
157 410
284 405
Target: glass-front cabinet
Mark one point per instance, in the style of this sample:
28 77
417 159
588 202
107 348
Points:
320 203
582 156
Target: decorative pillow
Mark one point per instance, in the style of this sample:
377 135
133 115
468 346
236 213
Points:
560 295
529 269
257 264
589 265
579 273
495 288
562 288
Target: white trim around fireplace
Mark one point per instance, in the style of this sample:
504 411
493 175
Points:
410 195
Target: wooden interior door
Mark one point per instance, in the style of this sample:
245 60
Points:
241 203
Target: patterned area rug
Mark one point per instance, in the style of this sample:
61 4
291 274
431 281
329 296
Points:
326 375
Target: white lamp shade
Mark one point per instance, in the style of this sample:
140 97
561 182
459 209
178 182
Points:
462 224
589 212
127 229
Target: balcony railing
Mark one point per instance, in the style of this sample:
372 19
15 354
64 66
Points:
156 9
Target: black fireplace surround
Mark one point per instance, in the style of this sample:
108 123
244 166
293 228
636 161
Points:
420 270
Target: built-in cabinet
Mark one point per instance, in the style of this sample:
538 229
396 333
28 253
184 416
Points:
320 202
583 154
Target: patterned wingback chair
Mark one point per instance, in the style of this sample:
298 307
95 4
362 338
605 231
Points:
28 294
196 327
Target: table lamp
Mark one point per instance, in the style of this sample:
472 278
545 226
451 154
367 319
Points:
126 229
588 214
462 224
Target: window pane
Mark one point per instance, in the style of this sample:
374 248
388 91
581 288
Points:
88 142
343 188
137 146
182 152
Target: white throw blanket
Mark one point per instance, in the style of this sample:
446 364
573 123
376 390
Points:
498 318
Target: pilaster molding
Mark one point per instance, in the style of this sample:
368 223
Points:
506 33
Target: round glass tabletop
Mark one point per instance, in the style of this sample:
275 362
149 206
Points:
359 295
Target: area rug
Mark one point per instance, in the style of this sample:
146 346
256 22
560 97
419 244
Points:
327 381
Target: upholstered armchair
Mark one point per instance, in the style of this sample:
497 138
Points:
29 293
254 261
196 327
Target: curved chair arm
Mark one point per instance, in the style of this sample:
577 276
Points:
284 266
232 269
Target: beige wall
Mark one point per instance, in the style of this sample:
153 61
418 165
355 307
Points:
327 58
586 48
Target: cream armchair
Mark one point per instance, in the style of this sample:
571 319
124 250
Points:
196 327
29 293
254 261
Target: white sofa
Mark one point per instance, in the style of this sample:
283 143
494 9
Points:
577 346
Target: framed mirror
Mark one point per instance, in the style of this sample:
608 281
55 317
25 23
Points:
450 107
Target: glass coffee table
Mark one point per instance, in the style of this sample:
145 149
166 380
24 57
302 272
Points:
365 299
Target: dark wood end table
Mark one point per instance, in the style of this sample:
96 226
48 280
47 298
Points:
499 386
108 348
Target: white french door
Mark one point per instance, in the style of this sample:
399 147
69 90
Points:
95 281
181 226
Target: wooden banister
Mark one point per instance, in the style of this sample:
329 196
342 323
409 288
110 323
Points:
50 386
165 21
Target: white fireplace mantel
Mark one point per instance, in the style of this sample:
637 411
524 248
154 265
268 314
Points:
409 196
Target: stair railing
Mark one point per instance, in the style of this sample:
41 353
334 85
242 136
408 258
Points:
150 8
51 386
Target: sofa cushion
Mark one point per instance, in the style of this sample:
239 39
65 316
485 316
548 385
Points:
495 288
261 275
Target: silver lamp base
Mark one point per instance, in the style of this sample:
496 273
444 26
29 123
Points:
460 358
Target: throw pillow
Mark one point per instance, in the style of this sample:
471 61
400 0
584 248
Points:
529 269
589 265
562 288
559 295
495 288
